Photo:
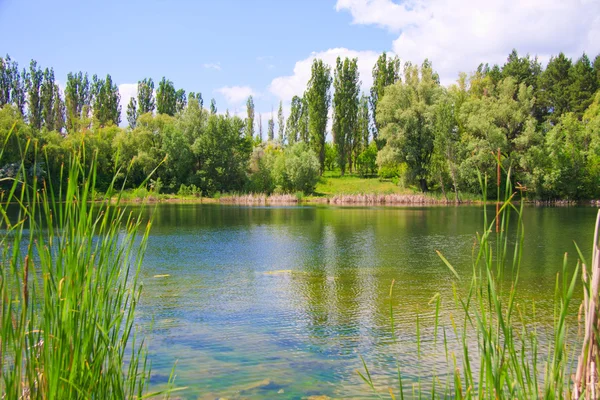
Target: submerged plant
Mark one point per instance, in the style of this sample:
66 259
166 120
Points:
69 286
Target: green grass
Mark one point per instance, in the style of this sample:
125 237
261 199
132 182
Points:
332 183
69 284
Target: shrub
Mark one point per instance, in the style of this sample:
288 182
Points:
297 169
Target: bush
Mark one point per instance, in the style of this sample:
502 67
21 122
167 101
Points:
260 174
296 169
367 160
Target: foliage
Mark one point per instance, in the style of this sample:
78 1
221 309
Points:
297 169
318 99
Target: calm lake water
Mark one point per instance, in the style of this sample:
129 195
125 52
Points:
281 302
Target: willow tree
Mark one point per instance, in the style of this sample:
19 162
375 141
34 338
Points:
405 115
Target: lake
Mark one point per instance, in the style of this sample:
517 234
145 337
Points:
281 302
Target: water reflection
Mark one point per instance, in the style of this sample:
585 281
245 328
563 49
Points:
280 302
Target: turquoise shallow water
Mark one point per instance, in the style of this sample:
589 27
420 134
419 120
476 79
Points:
281 302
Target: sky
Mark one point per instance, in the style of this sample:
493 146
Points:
230 49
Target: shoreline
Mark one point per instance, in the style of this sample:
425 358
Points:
375 200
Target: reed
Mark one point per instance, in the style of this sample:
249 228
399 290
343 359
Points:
508 361
69 286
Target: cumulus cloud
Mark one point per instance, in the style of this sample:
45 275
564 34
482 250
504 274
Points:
214 66
236 94
286 87
457 35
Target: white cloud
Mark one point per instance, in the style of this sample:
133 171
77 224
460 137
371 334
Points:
457 35
286 87
215 66
236 94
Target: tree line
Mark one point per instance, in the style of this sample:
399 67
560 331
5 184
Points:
545 121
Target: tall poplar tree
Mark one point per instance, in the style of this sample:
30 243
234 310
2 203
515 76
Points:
34 104
318 99
346 88
58 111
271 128
213 106
145 96
260 131
77 100
5 80
250 117
132 113
280 123
166 97
47 99
106 101
291 129
386 72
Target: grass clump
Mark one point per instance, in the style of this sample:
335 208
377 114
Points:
69 284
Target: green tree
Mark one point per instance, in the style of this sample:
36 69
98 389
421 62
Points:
77 100
297 169
34 104
5 80
166 97
386 72
260 130
361 142
346 88
250 117
555 82
213 106
180 100
58 111
584 85
405 114
303 122
271 129
280 123
318 99
145 96
47 91
292 128
106 101
132 112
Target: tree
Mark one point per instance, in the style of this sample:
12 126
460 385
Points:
303 127
166 97
260 131
47 99
6 77
180 100
271 129
583 86
405 117
280 123
77 100
58 111
554 86
250 117
34 105
361 141
318 99
106 101
132 112
346 88
292 129
18 88
297 169
213 106
597 69
385 73
145 96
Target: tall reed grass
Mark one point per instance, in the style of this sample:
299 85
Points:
69 287
497 352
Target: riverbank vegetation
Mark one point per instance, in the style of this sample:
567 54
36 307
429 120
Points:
69 284
494 348
409 130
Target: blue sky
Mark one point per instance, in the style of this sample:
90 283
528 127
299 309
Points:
228 49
